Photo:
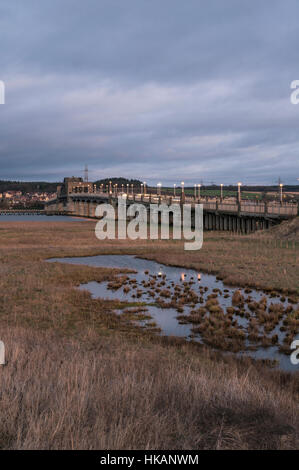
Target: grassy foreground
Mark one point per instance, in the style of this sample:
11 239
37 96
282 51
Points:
81 377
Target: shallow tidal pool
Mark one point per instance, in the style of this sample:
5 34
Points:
199 307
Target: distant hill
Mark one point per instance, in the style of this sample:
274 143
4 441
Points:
119 181
28 187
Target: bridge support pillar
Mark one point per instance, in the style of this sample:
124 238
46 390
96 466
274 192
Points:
248 226
243 225
70 206
78 208
75 207
81 209
92 211
86 209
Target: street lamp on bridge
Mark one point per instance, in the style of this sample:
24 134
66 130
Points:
183 192
280 192
199 186
239 192
221 191
174 189
159 189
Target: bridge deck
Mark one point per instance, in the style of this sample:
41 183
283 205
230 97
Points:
245 208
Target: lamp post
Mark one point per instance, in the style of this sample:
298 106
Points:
221 191
144 188
159 189
174 189
128 189
183 192
141 189
239 192
199 186
195 191
110 187
280 192
132 187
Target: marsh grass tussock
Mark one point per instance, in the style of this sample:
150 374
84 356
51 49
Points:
70 394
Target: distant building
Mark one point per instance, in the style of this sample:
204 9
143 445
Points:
74 185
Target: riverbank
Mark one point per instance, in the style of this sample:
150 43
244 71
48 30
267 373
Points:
129 388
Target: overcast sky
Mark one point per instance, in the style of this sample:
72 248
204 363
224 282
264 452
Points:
161 90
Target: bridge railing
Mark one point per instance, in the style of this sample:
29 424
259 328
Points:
258 208
245 207
285 210
224 207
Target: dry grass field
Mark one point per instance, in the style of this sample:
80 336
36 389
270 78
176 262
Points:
81 377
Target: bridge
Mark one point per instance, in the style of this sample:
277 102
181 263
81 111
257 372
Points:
78 198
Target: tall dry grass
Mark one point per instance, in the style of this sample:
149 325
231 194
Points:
68 394
81 377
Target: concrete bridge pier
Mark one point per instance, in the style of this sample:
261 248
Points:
70 206
81 209
243 225
78 208
248 225
86 209
92 209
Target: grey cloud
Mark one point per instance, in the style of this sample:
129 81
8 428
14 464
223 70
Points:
155 90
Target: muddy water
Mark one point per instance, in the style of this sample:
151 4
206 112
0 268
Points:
166 318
